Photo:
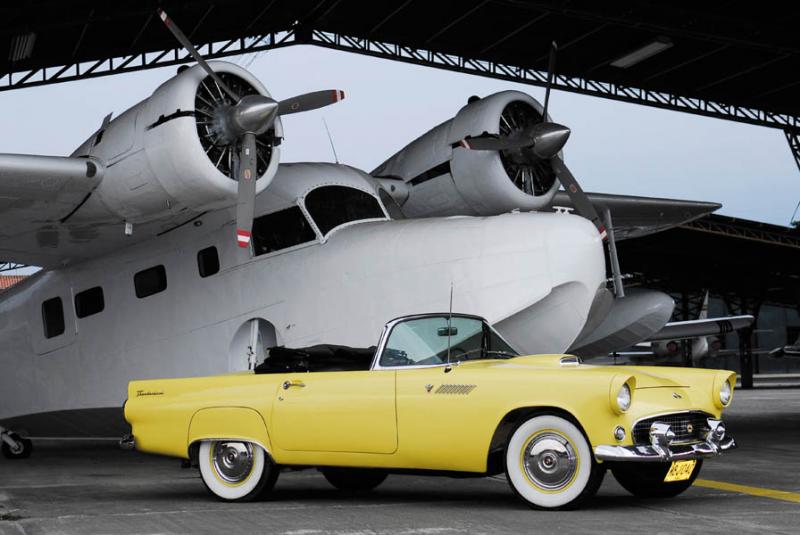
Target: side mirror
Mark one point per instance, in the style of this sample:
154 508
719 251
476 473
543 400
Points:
444 331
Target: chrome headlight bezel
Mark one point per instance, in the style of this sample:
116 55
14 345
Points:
725 392
624 398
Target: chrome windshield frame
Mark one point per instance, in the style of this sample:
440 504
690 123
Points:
387 331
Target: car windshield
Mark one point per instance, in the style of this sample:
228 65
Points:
425 341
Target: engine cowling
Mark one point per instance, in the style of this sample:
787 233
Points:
164 155
433 176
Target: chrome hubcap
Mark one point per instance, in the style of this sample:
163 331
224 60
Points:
550 461
233 461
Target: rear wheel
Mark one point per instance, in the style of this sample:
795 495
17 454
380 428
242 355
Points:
354 479
22 451
646 480
549 464
236 471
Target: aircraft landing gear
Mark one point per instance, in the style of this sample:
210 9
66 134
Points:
14 446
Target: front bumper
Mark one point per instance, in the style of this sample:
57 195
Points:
663 449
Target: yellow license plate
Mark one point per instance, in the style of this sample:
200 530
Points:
680 471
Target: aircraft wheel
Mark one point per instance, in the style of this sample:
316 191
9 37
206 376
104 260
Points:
549 464
646 480
236 471
22 452
354 479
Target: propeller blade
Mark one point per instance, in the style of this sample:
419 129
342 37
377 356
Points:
246 194
310 101
551 69
185 43
576 195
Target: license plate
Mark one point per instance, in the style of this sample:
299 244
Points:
680 471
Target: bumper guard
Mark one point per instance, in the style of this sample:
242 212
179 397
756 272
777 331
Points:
663 449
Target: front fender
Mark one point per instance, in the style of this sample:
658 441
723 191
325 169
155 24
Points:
241 423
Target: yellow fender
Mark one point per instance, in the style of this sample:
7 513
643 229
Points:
241 423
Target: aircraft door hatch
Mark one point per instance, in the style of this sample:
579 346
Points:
249 344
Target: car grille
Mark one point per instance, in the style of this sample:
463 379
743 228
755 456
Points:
687 426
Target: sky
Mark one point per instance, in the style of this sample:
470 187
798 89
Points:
614 147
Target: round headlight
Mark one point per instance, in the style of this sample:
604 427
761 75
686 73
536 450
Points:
725 393
624 398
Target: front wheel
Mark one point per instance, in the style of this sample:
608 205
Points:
354 479
549 464
646 480
22 451
236 471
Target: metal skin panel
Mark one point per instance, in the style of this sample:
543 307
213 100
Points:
434 432
224 422
351 412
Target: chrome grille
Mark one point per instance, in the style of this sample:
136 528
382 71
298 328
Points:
687 426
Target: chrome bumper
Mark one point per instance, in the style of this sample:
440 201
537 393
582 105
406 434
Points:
127 442
662 448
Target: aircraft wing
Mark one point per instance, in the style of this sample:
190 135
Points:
43 188
634 217
703 327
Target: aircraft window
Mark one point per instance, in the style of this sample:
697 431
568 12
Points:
331 206
280 230
89 302
150 281
53 317
208 261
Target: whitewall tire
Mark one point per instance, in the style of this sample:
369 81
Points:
549 463
236 471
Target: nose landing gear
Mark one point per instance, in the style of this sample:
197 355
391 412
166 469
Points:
14 446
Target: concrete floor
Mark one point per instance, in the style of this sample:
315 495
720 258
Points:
75 488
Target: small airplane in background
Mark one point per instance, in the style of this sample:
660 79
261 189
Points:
668 343
791 350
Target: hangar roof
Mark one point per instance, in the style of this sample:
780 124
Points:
745 262
726 51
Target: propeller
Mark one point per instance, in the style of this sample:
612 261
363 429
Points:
238 125
541 142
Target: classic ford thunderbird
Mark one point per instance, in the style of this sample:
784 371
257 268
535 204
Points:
441 394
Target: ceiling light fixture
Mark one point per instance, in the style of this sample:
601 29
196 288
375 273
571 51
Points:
649 50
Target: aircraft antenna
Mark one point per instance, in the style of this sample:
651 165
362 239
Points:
330 139
450 323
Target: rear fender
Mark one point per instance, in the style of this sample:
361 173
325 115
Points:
240 423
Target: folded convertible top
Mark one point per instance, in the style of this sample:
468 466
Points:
318 358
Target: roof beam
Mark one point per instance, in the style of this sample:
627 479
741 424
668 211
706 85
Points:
456 20
511 34
389 17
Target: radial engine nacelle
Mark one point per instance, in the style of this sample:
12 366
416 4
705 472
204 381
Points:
433 175
164 154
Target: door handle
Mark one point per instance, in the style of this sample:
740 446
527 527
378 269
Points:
288 384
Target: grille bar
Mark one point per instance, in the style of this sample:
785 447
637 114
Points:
687 426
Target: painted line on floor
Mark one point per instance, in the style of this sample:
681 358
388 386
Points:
784 495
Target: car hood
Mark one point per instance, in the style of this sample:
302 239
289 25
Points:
646 376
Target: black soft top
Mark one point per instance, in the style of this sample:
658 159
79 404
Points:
319 358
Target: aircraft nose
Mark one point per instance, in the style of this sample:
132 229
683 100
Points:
501 268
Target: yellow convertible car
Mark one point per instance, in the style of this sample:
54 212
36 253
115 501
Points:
441 394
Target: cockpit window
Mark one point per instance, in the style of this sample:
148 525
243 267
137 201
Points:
281 230
331 206
426 341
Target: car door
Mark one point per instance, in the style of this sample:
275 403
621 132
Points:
343 411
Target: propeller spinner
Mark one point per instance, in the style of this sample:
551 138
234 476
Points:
541 142
238 125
